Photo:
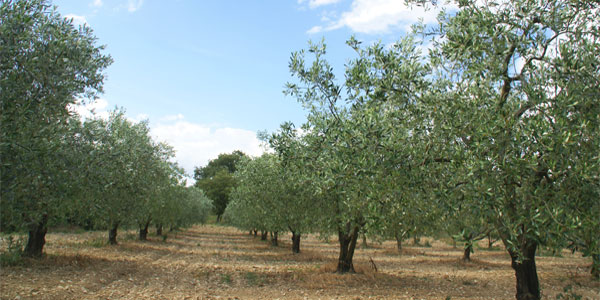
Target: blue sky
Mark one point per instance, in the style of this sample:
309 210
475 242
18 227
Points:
209 74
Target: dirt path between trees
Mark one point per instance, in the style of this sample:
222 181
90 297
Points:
214 262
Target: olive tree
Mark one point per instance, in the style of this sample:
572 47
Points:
365 138
520 110
46 64
119 168
258 195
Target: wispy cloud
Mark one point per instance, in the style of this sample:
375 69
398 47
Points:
176 117
379 16
134 5
77 20
315 29
316 3
97 3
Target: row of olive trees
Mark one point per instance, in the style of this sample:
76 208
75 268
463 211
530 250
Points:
54 167
496 127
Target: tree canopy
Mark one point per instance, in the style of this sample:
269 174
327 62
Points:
217 181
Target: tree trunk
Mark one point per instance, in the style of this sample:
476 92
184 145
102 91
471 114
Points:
112 234
398 241
347 246
365 245
528 286
596 266
219 218
274 238
416 240
467 253
263 235
255 232
37 238
144 232
491 241
159 229
295 242
468 247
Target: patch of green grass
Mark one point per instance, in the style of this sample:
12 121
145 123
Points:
14 251
98 242
253 279
226 278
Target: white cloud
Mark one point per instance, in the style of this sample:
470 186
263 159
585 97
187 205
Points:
77 20
133 5
380 16
196 144
172 117
97 3
316 3
138 118
315 29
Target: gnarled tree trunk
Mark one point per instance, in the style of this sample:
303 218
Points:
274 238
159 229
398 237
295 242
144 231
347 245
467 253
37 238
528 285
112 234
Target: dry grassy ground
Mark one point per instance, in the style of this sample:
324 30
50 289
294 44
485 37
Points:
213 262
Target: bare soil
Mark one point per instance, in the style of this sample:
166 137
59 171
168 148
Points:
215 262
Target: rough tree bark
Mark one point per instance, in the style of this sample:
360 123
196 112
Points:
295 242
467 253
528 285
347 245
398 237
274 242
468 248
144 231
112 234
37 238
